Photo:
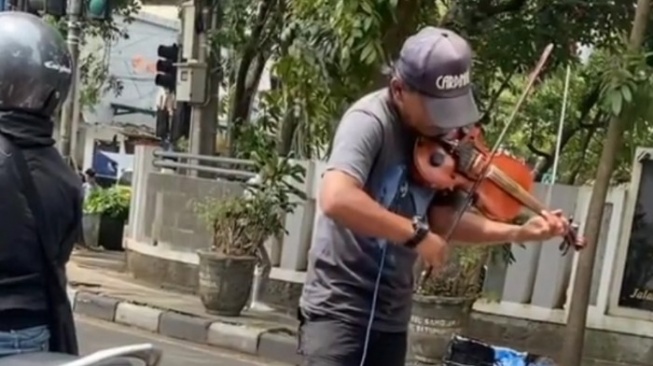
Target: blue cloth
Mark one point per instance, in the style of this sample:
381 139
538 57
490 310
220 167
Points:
28 340
508 357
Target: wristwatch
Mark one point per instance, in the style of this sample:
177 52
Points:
421 229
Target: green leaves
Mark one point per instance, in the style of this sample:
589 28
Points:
627 93
94 70
625 79
240 224
613 101
330 52
97 80
113 202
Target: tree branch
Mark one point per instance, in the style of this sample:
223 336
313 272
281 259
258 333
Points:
533 149
486 10
597 121
569 131
497 93
589 101
581 161
538 152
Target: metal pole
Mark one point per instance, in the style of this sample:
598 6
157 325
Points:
204 117
71 105
210 120
196 114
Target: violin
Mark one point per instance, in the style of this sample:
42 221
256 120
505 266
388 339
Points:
500 184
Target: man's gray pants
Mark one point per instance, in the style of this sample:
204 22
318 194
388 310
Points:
325 341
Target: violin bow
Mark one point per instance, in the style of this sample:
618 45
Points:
467 202
564 246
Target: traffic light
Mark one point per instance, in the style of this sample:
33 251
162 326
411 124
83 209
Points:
98 9
166 70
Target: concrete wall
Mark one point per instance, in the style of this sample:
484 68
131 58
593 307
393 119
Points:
164 205
162 212
170 215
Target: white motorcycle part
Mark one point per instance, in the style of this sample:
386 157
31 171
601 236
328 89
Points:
133 355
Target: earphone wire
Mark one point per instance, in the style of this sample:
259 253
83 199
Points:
375 295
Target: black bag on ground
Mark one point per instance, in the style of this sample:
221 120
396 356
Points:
470 352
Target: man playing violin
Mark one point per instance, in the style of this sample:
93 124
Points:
374 221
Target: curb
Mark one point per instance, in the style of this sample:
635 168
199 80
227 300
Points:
261 342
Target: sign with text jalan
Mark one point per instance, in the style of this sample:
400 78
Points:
637 285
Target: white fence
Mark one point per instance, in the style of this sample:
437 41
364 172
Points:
536 287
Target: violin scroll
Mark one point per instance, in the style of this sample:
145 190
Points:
572 239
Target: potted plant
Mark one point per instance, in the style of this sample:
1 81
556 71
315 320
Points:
443 304
110 207
239 226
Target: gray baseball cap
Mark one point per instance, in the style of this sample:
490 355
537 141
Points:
437 64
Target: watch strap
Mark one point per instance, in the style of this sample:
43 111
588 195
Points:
421 230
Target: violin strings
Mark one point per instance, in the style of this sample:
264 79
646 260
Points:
529 201
515 189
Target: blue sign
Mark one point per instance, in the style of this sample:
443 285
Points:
2 5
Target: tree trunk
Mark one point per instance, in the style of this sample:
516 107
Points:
244 94
572 352
286 132
246 84
573 177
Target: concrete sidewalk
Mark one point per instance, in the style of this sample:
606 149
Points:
99 290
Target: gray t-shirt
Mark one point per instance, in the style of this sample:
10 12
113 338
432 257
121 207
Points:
372 145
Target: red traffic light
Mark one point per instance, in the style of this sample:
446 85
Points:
165 67
168 52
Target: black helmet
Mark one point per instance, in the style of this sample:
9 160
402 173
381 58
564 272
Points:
35 65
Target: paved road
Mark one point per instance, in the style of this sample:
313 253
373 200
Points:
95 335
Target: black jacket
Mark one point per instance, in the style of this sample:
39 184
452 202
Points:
23 278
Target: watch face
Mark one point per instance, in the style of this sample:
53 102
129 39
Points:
419 221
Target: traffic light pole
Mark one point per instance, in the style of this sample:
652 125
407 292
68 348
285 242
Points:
204 117
70 110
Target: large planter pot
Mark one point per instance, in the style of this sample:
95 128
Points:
91 230
434 321
225 283
110 233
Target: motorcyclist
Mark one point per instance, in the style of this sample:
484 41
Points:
37 231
